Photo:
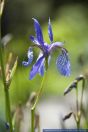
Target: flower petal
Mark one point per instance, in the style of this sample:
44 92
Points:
30 57
63 63
42 67
55 45
34 40
50 31
35 68
38 31
49 59
25 63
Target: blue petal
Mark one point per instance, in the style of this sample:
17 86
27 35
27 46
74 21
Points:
55 45
63 64
42 69
49 59
38 31
35 68
25 63
50 31
30 57
34 40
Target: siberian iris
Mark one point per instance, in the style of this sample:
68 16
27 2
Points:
42 62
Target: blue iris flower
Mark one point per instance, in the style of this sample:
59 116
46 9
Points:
62 62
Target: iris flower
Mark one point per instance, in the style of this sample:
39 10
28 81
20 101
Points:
43 60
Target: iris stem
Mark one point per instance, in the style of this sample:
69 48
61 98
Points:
34 105
6 88
77 117
32 119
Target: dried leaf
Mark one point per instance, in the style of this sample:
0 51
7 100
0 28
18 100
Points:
1 6
13 69
6 39
81 77
67 116
8 64
71 86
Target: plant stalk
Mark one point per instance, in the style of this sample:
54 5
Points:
34 105
6 88
32 120
81 103
79 112
77 117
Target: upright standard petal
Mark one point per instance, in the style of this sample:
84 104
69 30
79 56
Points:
30 57
38 31
63 63
35 68
55 45
50 31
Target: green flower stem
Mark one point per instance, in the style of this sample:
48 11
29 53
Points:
77 99
81 102
32 119
77 116
34 106
8 110
83 86
6 89
79 110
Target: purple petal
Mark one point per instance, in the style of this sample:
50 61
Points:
38 31
35 68
34 40
42 69
63 64
55 45
30 57
50 31
30 53
25 63
49 59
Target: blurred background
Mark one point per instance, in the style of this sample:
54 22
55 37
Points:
69 20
